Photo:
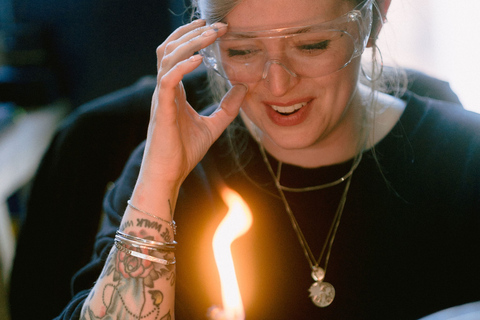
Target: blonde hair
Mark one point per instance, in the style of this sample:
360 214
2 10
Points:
213 10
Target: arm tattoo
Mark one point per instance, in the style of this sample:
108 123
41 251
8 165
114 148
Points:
147 223
125 289
126 225
128 291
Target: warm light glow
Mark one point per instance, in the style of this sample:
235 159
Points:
236 223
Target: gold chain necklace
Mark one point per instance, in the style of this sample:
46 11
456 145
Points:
356 162
322 293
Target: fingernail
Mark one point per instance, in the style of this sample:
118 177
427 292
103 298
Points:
195 58
219 25
242 85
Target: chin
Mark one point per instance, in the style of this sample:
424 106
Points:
295 141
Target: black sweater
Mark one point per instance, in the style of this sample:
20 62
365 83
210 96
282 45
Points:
408 243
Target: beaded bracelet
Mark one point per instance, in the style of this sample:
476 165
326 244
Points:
170 223
120 246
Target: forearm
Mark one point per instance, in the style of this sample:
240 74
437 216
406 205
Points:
131 285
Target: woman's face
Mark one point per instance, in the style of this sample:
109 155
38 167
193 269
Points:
322 115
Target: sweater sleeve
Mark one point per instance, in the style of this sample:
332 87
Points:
114 206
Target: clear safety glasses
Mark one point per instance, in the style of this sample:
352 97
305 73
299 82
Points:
307 51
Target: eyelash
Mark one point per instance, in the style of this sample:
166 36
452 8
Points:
243 53
309 48
315 46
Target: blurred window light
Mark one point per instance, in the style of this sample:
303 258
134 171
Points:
440 38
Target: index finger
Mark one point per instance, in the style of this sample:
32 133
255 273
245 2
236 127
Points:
177 34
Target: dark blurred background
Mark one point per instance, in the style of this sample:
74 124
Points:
92 46
56 55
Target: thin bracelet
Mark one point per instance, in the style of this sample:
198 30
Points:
170 223
125 242
140 255
158 247
145 244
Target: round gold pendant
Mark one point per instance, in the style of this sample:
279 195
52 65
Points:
322 293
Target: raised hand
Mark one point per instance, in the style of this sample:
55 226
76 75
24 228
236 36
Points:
178 137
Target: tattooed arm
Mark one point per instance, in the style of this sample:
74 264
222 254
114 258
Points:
134 288
177 139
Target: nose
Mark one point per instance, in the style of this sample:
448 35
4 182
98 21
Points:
278 78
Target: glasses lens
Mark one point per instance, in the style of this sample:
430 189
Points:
310 54
317 54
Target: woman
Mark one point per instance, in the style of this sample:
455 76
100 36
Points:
383 191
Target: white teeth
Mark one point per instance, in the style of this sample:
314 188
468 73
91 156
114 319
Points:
288 109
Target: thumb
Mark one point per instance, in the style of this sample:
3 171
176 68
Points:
227 110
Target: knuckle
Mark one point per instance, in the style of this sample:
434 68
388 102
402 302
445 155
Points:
164 84
160 50
164 81
160 74
191 41
170 47
165 62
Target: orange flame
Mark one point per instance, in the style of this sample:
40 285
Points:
235 224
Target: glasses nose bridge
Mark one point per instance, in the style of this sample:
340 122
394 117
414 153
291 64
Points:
277 61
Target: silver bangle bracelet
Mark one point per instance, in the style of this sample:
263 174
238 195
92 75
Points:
149 243
140 255
140 245
170 223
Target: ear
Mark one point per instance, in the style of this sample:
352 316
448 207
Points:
380 7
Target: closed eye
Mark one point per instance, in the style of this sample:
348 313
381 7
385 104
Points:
322 45
241 53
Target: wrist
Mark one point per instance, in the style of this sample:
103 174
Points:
156 197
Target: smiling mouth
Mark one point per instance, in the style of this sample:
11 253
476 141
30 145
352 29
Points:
287 110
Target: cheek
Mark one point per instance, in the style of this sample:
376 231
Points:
353 71
251 109
340 86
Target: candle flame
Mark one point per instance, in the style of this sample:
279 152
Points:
235 224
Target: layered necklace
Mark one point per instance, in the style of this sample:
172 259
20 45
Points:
322 293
